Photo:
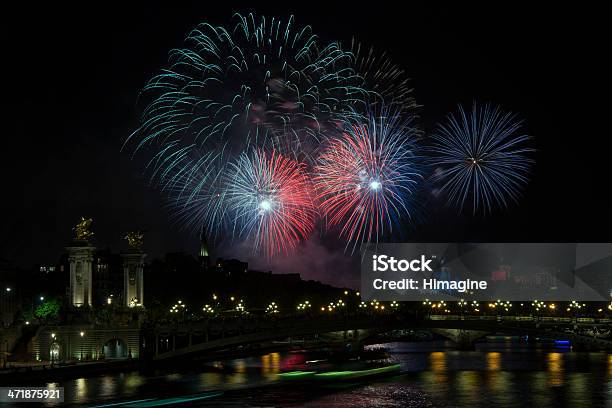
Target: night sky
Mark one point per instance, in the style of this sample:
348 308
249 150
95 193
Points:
73 75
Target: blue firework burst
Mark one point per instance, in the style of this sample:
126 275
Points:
481 158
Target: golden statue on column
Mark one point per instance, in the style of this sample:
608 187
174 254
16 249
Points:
135 239
82 231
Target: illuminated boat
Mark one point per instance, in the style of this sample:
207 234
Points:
340 375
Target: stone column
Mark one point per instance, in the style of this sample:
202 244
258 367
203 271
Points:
133 283
81 260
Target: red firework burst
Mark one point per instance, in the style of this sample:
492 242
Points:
270 201
363 179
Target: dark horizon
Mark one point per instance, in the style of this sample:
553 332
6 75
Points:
73 85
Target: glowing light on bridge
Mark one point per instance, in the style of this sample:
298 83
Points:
575 306
272 308
538 305
179 306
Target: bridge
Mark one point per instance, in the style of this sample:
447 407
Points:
185 340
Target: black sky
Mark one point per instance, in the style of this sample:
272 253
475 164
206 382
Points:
72 75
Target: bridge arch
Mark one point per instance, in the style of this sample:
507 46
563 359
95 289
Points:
55 351
115 348
464 339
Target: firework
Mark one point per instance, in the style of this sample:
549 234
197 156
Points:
269 201
481 157
366 179
196 197
262 83
386 82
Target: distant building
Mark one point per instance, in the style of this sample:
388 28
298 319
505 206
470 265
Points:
204 254
444 273
501 274
231 268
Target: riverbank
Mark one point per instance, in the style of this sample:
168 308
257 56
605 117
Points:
30 374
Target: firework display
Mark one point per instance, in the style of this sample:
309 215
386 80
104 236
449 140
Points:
367 178
481 158
261 132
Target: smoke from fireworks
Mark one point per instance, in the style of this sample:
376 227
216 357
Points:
481 157
367 178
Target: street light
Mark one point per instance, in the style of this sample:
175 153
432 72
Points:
82 334
52 351
8 289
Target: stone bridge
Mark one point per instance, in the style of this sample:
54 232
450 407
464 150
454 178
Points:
184 340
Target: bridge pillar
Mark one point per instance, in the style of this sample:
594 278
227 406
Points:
81 256
133 283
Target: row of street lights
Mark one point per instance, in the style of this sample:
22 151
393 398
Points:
437 306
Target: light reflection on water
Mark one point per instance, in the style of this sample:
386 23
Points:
555 369
449 378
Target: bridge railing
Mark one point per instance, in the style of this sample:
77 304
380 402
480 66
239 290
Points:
530 318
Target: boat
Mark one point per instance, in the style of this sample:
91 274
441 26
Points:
357 374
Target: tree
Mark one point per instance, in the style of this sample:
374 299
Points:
48 310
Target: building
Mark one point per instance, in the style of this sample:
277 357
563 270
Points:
501 274
231 268
204 254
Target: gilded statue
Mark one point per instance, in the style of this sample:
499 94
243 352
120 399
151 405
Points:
82 231
135 239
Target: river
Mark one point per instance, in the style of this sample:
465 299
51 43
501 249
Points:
434 376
